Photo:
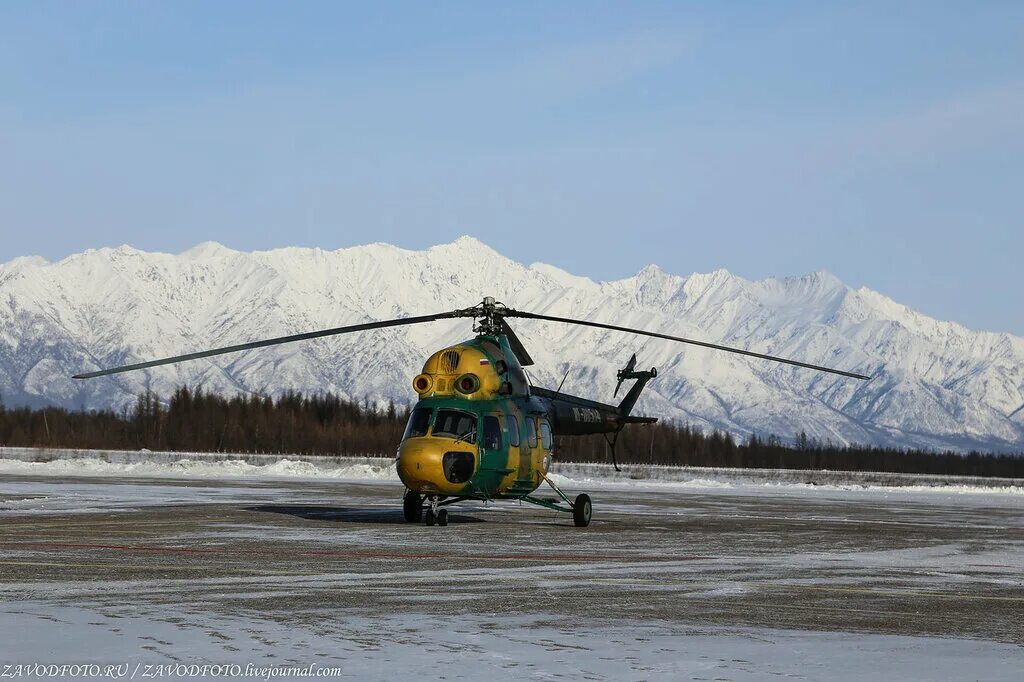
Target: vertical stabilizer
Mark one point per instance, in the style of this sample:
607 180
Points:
641 377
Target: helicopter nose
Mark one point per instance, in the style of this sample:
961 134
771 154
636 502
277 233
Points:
435 466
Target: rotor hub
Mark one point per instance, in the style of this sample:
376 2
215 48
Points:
487 316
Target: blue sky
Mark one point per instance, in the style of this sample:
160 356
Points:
883 142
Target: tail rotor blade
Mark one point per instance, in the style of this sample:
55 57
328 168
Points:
623 372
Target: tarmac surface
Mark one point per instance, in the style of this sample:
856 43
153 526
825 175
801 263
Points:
704 580
924 564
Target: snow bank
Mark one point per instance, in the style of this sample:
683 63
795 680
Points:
186 465
655 476
145 464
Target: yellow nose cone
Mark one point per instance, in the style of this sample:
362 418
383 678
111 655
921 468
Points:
424 467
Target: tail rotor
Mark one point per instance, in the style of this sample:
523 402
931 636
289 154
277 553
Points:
624 374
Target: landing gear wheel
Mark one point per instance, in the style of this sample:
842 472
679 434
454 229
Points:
431 518
442 517
581 509
412 507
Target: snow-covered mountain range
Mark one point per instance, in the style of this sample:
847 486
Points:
935 384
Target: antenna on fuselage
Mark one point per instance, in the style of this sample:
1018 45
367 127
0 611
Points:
563 380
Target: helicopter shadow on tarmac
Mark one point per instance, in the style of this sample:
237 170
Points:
349 514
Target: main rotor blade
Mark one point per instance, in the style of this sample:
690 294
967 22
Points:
518 349
705 344
273 342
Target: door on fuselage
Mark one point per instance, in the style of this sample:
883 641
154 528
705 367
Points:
491 447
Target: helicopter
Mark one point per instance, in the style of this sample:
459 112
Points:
480 430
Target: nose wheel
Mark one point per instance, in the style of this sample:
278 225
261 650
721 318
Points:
432 515
440 517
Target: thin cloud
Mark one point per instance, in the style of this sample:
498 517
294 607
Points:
992 115
590 67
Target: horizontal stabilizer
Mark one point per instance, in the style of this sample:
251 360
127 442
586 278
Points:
640 420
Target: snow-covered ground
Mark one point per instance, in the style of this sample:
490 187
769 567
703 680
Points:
493 647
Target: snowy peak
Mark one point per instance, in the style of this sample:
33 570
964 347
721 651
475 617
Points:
464 245
206 250
936 384
562 278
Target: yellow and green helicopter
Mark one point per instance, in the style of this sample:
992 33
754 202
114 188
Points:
480 430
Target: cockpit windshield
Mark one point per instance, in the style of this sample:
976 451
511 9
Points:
455 424
419 422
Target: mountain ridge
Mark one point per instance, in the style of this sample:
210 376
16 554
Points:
937 383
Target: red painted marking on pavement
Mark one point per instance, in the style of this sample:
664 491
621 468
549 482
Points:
356 553
990 565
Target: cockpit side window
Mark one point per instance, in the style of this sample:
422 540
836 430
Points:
455 424
419 423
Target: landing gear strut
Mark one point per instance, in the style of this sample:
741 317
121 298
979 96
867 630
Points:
580 508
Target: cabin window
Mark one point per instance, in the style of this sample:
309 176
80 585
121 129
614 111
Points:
455 424
492 433
545 434
419 422
531 432
513 430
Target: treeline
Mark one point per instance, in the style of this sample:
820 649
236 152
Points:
680 445
330 425
194 421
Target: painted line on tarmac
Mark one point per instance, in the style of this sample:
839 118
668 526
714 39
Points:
76 564
63 524
115 566
825 520
904 593
359 553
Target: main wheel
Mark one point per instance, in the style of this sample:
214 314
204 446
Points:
412 506
442 517
581 509
430 518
